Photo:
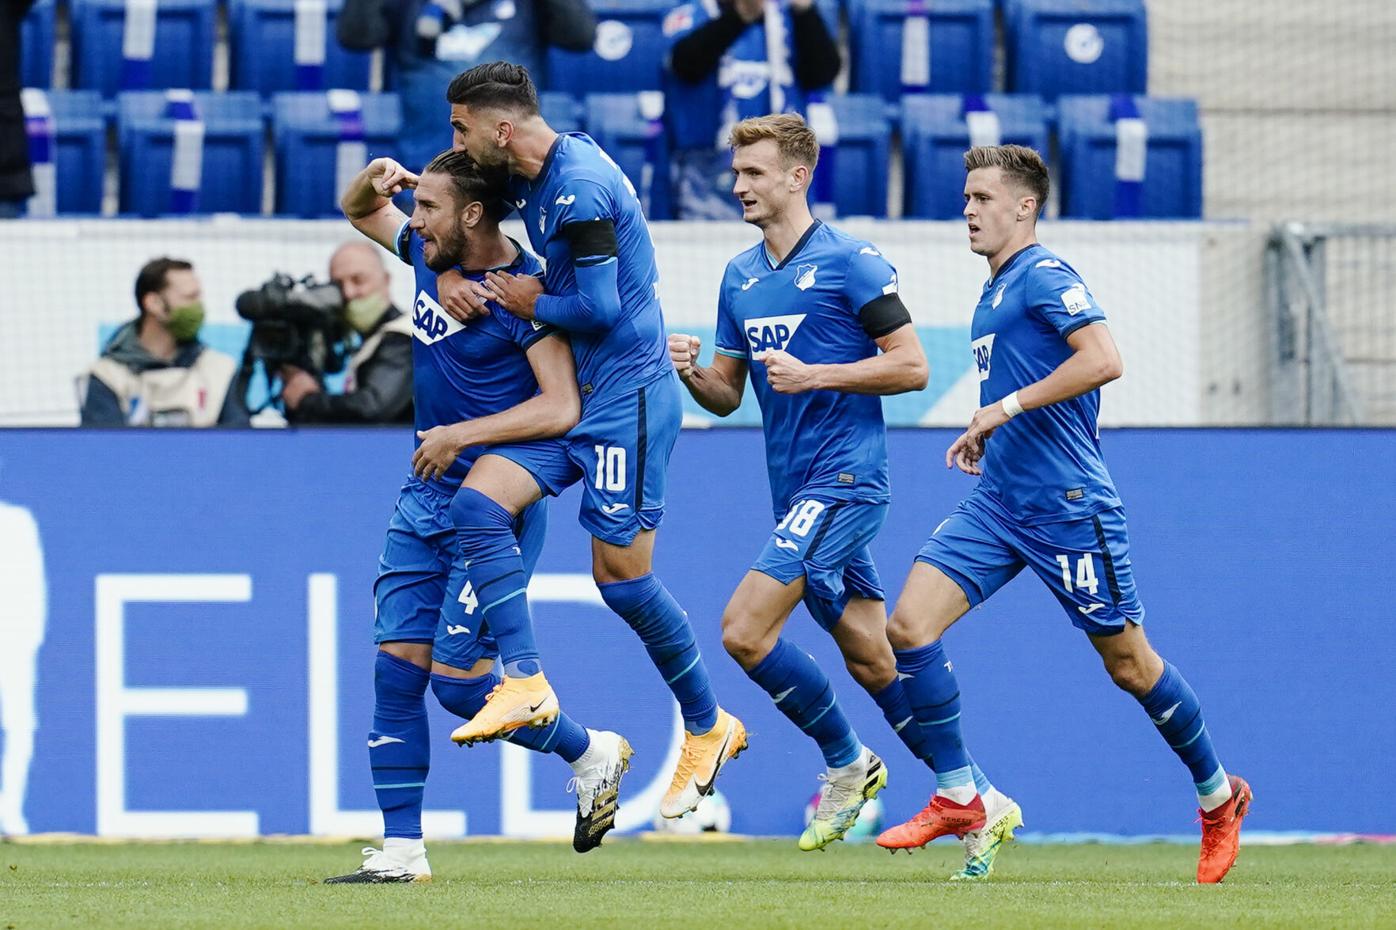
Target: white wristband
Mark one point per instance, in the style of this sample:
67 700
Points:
1010 405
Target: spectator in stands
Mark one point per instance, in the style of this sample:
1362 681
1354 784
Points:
723 68
378 388
155 371
16 183
431 41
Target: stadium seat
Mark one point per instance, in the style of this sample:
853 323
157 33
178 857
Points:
561 111
1076 47
954 40
1091 161
230 179
262 48
859 163
627 56
936 132
629 128
181 54
310 139
80 146
37 37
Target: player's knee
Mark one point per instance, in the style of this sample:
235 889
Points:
1129 674
741 639
905 629
471 510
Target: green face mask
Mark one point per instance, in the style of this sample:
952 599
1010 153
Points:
362 312
184 322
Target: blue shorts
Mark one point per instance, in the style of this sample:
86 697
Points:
421 594
620 452
826 541
1084 562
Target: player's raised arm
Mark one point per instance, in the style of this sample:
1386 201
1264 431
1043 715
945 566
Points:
718 389
554 410
367 202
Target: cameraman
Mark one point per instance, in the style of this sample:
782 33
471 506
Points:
378 387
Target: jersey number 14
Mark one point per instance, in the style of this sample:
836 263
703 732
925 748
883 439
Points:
1085 573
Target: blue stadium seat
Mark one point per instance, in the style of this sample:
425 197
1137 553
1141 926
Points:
183 52
262 44
80 135
861 157
561 111
960 46
1172 184
37 35
935 135
628 54
307 137
638 144
1076 47
231 177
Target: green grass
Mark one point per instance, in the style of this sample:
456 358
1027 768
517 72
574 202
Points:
717 885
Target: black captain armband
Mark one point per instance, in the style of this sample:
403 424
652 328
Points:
883 315
592 241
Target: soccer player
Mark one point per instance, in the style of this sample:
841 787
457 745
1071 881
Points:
583 217
813 315
494 380
1044 500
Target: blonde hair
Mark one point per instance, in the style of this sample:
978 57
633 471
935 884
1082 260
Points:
1020 165
794 140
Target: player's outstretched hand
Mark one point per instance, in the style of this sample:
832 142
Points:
966 453
461 297
439 448
390 178
683 352
516 293
785 373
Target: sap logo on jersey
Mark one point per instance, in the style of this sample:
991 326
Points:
431 323
983 349
772 332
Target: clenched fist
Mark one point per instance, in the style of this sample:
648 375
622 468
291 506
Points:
683 352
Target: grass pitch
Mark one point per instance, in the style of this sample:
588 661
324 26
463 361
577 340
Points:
724 885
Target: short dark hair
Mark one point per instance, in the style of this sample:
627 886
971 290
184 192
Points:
498 84
1020 165
154 276
471 182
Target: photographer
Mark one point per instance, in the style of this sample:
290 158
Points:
154 371
378 387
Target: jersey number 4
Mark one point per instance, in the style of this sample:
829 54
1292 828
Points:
1085 573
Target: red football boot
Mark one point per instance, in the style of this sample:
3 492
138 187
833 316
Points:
941 817
1221 833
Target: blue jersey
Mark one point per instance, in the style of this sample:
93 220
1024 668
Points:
753 78
808 305
461 371
1043 465
579 183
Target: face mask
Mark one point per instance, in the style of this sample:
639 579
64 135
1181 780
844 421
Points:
362 312
184 322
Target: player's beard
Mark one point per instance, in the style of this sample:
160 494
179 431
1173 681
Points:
451 251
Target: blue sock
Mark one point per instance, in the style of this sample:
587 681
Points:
494 565
803 693
399 746
465 696
651 611
1175 710
896 709
934 695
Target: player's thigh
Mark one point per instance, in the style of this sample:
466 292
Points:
414 566
755 614
861 635
960 566
1086 565
502 479
622 451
